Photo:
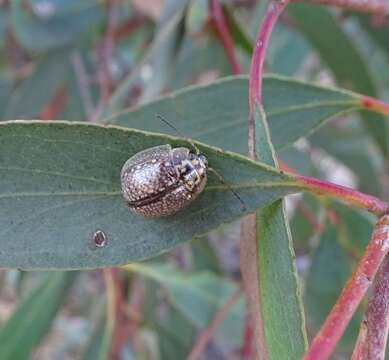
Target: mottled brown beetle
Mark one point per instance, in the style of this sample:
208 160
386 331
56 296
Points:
162 180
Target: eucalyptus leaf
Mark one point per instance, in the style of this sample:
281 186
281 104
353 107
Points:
217 114
198 297
28 99
17 337
346 62
60 183
164 47
329 271
52 23
277 268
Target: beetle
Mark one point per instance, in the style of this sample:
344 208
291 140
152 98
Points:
162 180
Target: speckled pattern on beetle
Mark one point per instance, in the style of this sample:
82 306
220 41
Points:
162 180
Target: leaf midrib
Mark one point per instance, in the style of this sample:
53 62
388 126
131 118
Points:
268 184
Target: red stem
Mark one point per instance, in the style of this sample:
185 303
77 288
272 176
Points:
371 343
56 105
225 35
376 105
247 347
325 341
248 241
258 59
257 63
350 196
308 214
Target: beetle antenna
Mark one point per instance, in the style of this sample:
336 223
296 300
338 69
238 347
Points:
221 179
160 117
219 176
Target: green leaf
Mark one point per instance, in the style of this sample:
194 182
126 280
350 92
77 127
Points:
32 319
355 230
6 86
330 269
240 37
203 256
277 269
353 148
176 335
196 58
52 23
294 109
380 34
287 51
345 61
158 58
37 90
198 297
163 53
3 26
60 183
302 228
197 16
99 344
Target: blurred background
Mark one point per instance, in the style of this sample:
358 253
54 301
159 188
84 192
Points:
75 60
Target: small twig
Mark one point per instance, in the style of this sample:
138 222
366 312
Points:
310 217
105 52
210 331
119 324
83 84
247 347
342 193
373 104
326 340
379 7
111 300
258 60
248 239
56 105
125 29
339 192
371 343
225 35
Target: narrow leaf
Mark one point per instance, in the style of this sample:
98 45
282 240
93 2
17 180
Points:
198 296
33 93
347 64
32 319
60 183
63 22
277 269
294 109
164 44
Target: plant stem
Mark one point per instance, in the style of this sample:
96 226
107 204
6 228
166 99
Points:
249 269
379 7
371 343
350 196
210 331
325 341
83 83
248 240
373 104
225 35
257 63
110 288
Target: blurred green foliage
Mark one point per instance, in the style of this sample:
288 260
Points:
90 60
